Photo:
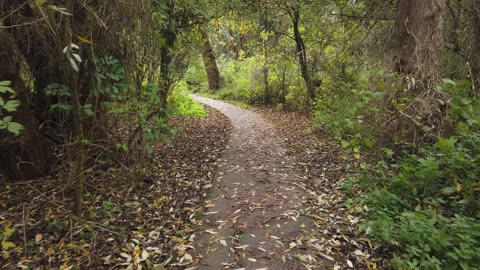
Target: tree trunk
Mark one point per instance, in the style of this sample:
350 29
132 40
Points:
265 70
210 64
419 39
301 52
165 60
27 155
475 64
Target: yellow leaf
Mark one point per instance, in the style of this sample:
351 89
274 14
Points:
6 245
457 184
40 2
177 239
84 39
8 232
38 238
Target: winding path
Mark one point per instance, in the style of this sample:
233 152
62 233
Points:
255 215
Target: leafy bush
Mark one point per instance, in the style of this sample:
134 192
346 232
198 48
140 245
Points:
424 239
182 105
344 114
426 204
8 105
195 77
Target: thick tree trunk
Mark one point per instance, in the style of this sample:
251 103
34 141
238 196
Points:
301 52
27 155
210 64
165 60
419 39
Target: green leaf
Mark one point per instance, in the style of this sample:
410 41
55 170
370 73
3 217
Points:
61 106
449 190
381 85
149 149
60 9
446 145
448 81
5 87
7 233
7 119
87 109
15 128
369 143
6 245
300 258
11 105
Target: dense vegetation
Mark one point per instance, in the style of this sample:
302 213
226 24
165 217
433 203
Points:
95 83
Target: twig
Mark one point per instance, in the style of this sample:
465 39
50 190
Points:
24 230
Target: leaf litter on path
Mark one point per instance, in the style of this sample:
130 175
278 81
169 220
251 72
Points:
131 219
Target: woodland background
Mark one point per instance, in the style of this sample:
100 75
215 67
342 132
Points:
90 87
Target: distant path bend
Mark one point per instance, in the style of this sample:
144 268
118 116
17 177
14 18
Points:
255 212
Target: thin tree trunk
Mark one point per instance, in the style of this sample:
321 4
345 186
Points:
265 70
419 39
475 65
71 77
27 155
210 64
301 52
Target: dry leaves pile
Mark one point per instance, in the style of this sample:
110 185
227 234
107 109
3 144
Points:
132 220
325 165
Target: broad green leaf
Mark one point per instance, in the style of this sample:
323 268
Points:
61 106
15 128
7 119
11 105
5 87
449 190
448 81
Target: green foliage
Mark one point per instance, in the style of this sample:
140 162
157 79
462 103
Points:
425 204
195 77
5 233
8 105
110 79
109 208
424 239
182 105
343 113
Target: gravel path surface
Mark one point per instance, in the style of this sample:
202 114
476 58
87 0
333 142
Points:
255 215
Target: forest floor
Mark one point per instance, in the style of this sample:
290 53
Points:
264 194
276 201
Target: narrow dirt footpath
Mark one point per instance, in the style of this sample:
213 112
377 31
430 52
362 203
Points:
257 214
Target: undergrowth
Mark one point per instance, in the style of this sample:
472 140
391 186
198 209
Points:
183 105
423 202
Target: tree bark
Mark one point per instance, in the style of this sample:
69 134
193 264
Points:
210 63
165 60
419 39
28 155
475 64
301 52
